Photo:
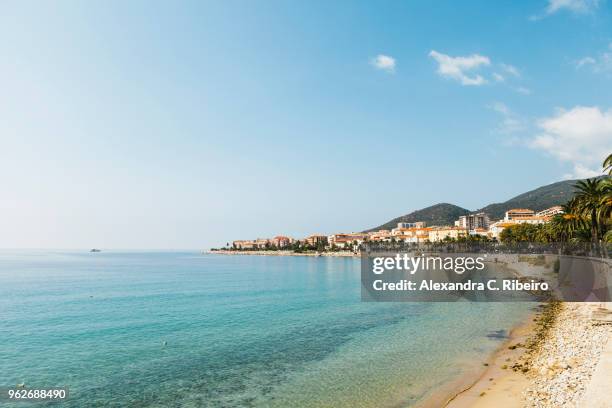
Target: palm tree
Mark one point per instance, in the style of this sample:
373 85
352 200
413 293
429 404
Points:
587 202
605 206
568 225
607 164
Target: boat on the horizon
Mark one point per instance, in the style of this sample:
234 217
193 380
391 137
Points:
95 250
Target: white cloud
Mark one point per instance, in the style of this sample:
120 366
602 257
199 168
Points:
511 122
602 63
575 6
498 77
384 63
585 61
572 6
476 70
512 70
461 68
500 107
581 136
581 172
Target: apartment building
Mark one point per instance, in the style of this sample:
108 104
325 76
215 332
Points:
497 227
484 232
550 212
442 233
518 214
344 240
473 221
262 242
404 225
244 244
281 241
316 239
380 236
409 234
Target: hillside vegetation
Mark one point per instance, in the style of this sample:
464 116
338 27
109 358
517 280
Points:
445 214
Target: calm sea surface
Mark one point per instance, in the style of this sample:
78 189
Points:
191 330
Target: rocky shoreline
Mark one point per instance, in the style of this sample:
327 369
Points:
550 365
561 364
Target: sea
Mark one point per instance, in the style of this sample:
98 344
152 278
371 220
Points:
186 329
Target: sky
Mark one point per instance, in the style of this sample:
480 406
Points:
186 125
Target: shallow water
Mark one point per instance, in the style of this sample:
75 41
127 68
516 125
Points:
184 329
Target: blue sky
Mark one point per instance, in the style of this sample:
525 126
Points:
186 125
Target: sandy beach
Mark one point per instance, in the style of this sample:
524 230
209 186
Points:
554 361
466 391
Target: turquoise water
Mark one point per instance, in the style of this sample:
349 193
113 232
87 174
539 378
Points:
190 330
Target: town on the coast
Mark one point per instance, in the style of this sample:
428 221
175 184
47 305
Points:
476 227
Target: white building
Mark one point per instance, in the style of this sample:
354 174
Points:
441 233
518 213
550 212
404 225
473 221
496 228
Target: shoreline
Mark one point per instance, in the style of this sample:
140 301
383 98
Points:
460 392
285 253
498 377
548 362
559 356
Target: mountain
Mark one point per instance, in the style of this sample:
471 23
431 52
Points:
446 214
439 214
538 199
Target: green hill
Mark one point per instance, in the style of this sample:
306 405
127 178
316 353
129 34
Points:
439 214
538 199
446 214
